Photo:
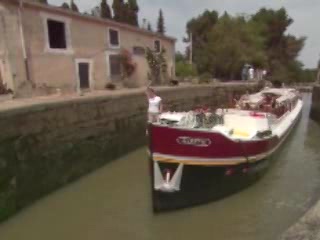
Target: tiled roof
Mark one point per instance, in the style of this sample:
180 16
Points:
61 11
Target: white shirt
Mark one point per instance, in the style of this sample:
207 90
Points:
251 73
154 104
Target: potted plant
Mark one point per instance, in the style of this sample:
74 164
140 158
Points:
128 68
5 92
110 86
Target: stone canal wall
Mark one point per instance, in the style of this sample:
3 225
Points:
47 143
315 108
308 227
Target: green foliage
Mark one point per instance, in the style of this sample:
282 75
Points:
65 5
105 11
200 27
160 27
281 48
205 78
232 44
293 72
133 10
309 75
74 6
222 45
118 7
180 57
126 12
185 70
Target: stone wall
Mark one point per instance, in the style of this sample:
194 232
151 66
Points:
49 143
307 228
315 108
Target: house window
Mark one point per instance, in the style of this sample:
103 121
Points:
56 34
157 46
139 51
114 39
115 65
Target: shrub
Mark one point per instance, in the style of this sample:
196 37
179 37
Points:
157 65
277 84
4 89
174 82
205 78
128 65
110 86
185 70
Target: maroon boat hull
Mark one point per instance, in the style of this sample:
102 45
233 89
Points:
233 165
165 141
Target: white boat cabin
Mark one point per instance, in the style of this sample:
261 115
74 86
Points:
253 116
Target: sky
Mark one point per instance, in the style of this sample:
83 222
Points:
305 13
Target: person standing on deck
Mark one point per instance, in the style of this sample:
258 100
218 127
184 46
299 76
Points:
155 105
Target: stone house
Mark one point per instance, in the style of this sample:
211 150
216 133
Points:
44 49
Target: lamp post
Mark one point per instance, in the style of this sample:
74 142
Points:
23 42
190 48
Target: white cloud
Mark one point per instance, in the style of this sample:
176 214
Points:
178 12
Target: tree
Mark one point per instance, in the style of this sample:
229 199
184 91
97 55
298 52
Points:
133 10
183 68
279 46
73 6
149 27
105 11
222 45
230 46
161 27
65 5
119 10
96 11
200 27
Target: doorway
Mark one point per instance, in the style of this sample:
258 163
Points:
1 74
84 71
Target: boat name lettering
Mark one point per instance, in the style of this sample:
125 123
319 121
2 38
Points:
198 142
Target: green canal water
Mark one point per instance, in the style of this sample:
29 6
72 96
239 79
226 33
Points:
114 202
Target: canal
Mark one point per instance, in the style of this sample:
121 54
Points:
114 202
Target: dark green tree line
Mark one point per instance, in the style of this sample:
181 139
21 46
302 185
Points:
65 5
126 12
105 11
160 27
74 6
